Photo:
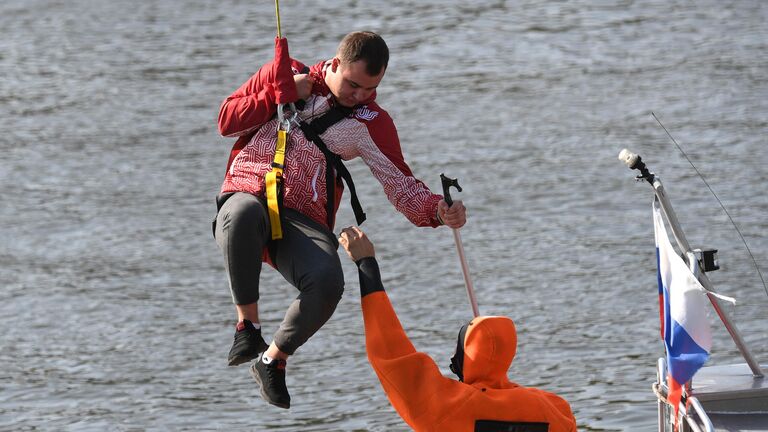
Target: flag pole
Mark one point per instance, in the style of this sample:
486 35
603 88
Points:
634 161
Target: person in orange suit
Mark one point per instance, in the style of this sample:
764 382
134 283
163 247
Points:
482 400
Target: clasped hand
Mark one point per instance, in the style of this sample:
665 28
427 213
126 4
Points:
454 216
356 243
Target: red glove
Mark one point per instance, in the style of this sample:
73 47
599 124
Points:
285 87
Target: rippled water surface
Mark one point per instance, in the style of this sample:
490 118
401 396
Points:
114 303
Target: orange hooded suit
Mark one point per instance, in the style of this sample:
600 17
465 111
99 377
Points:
485 401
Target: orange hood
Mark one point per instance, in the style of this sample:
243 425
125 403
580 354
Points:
490 344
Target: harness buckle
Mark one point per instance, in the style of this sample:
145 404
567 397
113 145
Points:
287 116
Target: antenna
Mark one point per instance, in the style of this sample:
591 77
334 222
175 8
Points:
749 251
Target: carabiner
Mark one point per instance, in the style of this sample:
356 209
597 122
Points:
286 117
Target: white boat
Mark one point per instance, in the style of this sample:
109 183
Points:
732 397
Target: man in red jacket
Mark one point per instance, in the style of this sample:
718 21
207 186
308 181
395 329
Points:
305 252
483 400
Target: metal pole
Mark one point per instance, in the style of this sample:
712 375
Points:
661 405
682 242
465 270
699 409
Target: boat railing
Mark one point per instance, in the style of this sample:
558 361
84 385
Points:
661 399
691 409
702 416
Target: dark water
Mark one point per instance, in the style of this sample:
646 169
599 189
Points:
114 308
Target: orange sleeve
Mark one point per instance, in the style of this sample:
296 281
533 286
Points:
411 380
562 408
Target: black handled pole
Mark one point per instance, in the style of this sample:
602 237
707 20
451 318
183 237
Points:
447 183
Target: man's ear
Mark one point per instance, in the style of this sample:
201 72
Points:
335 64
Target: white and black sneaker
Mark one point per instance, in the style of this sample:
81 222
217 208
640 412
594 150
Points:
270 375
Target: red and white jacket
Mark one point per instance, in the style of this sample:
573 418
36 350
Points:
249 113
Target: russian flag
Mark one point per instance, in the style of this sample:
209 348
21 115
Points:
683 310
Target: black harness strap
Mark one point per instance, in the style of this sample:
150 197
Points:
330 118
313 131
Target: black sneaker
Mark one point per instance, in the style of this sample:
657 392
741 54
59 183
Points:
271 378
248 344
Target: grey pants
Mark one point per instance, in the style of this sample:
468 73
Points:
306 257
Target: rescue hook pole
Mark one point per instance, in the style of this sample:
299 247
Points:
447 183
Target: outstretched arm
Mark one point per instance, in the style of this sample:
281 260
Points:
384 335
383 155
410 378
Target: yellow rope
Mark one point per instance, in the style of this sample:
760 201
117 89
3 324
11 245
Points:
277 12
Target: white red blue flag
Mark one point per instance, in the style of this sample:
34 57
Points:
683 310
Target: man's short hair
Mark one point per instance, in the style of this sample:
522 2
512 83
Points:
366 46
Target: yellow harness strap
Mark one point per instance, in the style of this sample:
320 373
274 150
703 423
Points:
274 180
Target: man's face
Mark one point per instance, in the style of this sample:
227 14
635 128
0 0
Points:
350 83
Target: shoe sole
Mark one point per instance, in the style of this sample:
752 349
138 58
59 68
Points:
256 378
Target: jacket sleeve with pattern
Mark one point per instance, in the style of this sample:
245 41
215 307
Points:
384 158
